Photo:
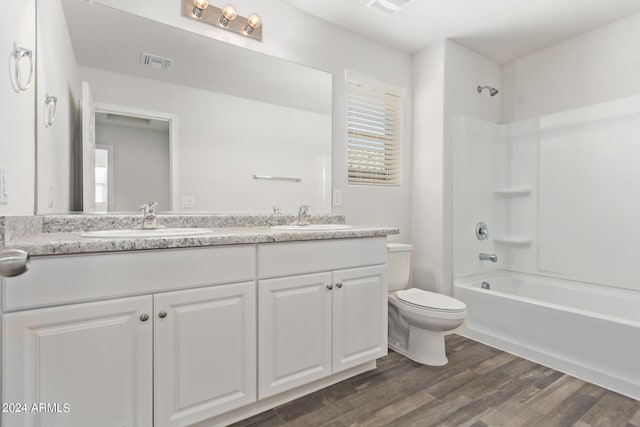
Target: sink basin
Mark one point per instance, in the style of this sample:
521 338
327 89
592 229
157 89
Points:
158 232
313 227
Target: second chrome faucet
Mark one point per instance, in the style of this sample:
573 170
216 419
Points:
303 215
149 220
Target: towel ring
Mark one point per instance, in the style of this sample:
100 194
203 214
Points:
50 105
19 53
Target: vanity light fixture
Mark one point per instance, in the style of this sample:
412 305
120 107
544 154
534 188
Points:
226 17
198 7
229 13
253 23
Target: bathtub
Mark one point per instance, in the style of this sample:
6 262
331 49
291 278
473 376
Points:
591 332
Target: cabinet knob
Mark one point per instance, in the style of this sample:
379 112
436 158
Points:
162 314
329 286
144 317
339 285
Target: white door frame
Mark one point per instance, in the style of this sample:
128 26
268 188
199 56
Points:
173 140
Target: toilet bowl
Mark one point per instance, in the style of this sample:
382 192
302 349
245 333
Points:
418 318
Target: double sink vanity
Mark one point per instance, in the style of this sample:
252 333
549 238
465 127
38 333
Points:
178 330
203 319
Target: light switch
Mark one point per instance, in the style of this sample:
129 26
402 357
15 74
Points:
188 202
337 197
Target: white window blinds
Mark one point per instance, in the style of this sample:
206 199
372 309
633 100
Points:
374 121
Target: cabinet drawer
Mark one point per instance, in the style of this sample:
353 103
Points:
285 259
62 279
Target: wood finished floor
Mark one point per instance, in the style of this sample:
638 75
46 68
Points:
480 387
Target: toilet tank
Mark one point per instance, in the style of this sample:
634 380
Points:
399 260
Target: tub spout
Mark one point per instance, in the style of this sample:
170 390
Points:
489 257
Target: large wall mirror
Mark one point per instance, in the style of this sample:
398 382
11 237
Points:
131 110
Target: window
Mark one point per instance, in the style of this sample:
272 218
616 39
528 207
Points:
374 122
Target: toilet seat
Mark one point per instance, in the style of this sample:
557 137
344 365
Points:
430 300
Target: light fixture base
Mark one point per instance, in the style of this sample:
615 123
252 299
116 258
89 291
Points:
212 14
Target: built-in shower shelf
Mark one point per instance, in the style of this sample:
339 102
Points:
513 192
513 240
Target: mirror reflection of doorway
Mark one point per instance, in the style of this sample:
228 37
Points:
104 177
132 162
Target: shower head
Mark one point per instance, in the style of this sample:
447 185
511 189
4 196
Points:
492 90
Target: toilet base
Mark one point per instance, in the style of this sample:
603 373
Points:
429 350
418 332
427 347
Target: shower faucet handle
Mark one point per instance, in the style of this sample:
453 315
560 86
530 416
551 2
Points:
482 231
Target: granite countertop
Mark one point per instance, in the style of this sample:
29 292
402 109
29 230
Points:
73 243
61 234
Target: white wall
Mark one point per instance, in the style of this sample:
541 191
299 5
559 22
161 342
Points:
464 71
224 140
445 79
140 165
427 202
57 76
582 165
589 195
575 146
294 35
598 66
479 168
17 149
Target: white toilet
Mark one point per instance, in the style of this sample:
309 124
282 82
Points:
418 318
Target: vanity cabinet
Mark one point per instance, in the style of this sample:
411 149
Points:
166 358
359 316
204 352
315 325
169 338
94 357
295 337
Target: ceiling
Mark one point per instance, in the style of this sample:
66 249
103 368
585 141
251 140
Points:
499 29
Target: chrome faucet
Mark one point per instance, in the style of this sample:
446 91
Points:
489 257
303 215
149 220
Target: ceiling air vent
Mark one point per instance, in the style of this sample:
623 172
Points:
155 61
388 7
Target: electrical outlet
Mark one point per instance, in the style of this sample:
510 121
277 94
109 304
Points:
337 197
4 186
188 202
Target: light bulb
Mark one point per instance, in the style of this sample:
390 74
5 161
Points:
199 6
229 13
254 22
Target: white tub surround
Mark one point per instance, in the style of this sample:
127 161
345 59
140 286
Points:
588 331
208 334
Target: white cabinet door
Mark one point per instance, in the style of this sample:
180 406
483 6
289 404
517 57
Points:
95 357
294 332
205 352
359 316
